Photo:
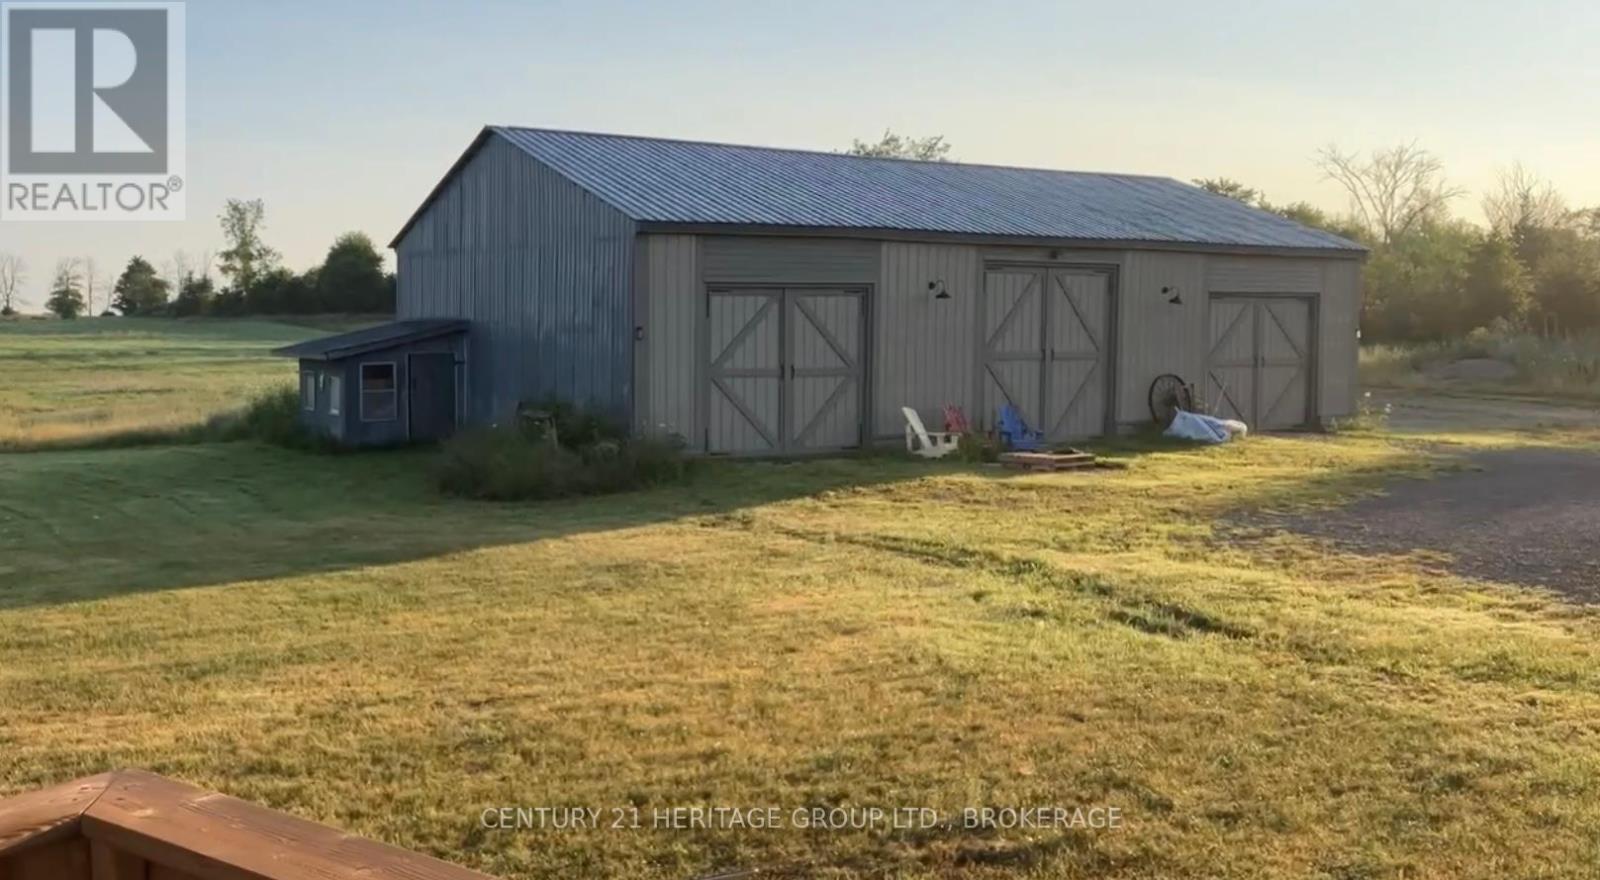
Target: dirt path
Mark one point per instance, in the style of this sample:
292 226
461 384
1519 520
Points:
1525 516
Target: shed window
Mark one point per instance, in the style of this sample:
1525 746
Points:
377 392
308 391
335 394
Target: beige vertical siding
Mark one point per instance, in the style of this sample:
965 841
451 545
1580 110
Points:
1339 320
1156 336
924 350
926 353
672 305
1263 275
757 259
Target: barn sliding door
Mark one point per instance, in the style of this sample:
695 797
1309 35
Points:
1076 364
786 370
744 407
1047 348
824 357
1260 364
1013 320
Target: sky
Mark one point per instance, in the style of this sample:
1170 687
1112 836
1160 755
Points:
342 115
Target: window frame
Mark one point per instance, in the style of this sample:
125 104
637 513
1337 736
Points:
393 390
308 402
334 393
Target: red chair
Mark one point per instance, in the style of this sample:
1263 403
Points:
955 421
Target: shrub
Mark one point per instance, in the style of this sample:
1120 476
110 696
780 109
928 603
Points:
272 417
517 462
501 464
576 427
977 447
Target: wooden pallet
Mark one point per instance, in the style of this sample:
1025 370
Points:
1061 460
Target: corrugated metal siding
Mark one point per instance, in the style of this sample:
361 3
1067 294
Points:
673 305
652 179
924 350
772 260
1156 336
1263 275
1338 321
542 269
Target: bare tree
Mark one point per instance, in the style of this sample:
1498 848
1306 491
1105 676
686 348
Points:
13 272
1391 191
91 277
178 269
183 265
1523 201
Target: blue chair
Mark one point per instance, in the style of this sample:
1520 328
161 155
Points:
1015 433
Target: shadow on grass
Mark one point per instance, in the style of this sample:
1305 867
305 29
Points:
83 525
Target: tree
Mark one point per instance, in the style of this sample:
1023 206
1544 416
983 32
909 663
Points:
1522 202
91 281
195 295
1393 191
352 279
66 290
13 272
140 291
1566 289
280 291
1233 189
247 257
184 265
1415 283
1496 287
893 146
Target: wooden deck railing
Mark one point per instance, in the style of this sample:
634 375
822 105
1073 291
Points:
132 825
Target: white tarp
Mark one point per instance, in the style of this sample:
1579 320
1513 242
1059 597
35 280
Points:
1205 429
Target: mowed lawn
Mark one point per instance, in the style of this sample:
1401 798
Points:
72 382
325 635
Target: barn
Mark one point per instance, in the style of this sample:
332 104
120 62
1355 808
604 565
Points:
765 301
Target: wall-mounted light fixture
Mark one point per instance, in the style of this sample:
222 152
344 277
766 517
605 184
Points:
1175 296
939 289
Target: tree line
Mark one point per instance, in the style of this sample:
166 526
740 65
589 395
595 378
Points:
253 280
1432 275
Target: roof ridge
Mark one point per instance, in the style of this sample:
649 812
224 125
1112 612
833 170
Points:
831 153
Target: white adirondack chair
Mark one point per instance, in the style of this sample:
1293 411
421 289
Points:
928 444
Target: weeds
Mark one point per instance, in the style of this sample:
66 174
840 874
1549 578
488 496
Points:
555 450
1542 365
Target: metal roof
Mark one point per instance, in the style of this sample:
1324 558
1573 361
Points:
672 182
342 345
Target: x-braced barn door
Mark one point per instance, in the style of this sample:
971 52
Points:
1047 346
786 370
1260 364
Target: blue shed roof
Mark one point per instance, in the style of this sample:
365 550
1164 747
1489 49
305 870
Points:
368 339
691 183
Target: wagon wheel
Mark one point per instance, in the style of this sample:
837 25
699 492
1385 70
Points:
1168 394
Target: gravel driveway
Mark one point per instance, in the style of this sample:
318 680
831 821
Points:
1527 516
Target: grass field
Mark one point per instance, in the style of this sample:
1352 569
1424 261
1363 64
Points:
325 635
76 382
